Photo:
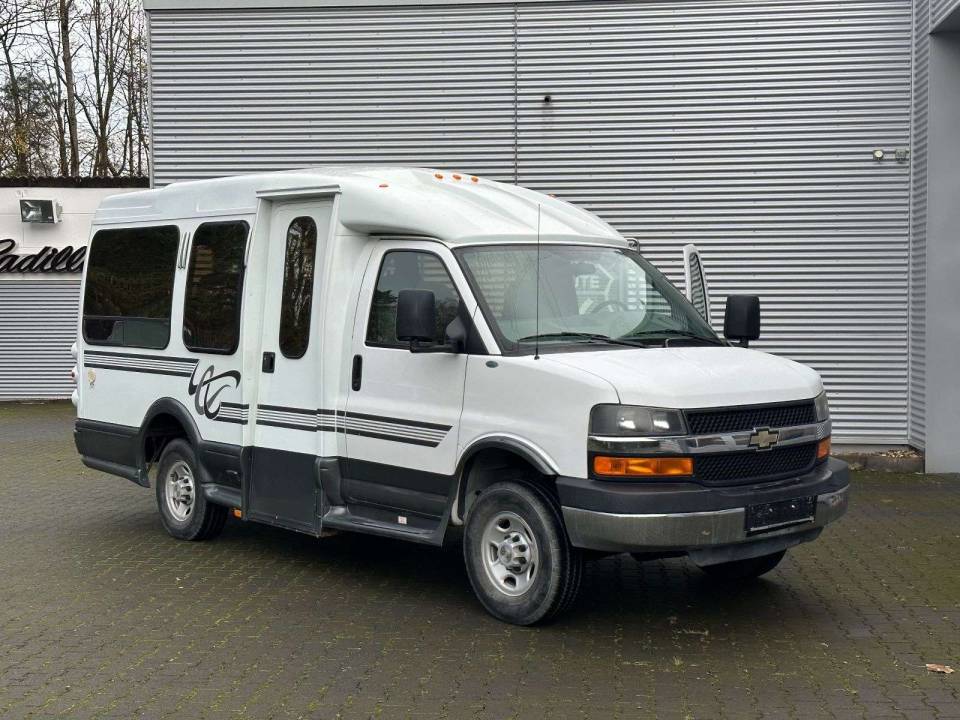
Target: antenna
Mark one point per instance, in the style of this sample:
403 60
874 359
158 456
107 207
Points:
536 351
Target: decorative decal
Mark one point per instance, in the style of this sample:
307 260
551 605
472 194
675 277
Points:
47 260
209 387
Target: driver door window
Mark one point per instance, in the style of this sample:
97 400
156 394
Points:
409 270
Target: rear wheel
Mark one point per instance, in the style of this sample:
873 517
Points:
744 569
520 563
185 512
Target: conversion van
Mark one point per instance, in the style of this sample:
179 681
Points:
401 352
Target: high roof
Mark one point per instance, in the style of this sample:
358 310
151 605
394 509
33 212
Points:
380 200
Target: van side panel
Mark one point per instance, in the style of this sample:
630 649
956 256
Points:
201 393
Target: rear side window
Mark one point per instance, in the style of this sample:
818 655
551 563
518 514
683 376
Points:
211 306
297 298
410 270
129 287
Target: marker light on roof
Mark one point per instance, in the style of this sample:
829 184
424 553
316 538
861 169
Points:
438 176
457 177
383 185
474 179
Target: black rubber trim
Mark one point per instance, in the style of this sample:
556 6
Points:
652 497
125 471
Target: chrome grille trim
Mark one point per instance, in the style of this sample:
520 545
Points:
704 444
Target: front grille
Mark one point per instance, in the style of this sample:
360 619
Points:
736 468
735 419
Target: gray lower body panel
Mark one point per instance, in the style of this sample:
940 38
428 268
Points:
700 533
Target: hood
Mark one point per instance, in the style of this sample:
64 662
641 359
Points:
695 377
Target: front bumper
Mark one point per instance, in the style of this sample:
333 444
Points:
707 523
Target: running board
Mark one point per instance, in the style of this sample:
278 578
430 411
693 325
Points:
222 495
427 531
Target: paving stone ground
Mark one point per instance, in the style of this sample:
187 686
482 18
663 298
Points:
103 615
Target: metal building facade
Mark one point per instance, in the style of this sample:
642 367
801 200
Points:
747 127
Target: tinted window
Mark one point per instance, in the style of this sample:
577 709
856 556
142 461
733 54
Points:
129 290
408 270
211 306
297 296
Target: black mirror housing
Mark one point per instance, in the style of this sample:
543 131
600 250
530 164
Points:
741 319
416 316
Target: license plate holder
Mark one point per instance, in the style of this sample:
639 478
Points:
766 517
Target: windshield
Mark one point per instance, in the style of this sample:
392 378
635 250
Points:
588 294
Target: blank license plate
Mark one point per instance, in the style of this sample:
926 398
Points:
771 516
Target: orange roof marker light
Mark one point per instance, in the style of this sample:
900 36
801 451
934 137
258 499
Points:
383 185
457 177
438 176
474 178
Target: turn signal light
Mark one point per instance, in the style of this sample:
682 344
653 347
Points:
237 513
823 449
642 466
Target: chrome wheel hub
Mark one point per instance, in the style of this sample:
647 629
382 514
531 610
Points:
180 491
510 555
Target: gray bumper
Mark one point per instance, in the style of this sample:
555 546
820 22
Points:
701 534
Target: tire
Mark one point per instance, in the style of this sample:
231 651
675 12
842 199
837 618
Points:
186 513
512 527
744 569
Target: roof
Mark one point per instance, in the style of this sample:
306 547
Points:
378 200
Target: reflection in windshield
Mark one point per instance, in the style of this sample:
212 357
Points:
585 294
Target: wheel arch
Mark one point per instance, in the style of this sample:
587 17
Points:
165 420
492 452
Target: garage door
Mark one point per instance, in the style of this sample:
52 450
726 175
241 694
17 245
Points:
38 324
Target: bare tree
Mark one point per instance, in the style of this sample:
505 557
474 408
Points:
64 13
73 86
16 16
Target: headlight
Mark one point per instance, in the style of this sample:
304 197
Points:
632 420
822 407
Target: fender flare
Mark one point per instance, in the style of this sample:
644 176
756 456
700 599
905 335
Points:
167 406
519 446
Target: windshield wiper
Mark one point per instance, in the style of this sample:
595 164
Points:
681 334
589 337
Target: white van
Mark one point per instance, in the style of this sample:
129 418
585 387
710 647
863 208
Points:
398 351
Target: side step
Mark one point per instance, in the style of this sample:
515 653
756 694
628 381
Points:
373 521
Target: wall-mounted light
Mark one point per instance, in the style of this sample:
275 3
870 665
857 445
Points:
39 211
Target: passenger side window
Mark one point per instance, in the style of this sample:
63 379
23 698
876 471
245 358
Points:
297 298
129 287
410 270
211 306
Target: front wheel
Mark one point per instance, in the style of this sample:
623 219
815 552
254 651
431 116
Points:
185 512
519 561
744 569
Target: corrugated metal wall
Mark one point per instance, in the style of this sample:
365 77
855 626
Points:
37 327
918 226
747 127
271 90
939 9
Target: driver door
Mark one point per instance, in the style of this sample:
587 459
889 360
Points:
403 408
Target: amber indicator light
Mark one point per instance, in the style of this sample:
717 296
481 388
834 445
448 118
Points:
643 466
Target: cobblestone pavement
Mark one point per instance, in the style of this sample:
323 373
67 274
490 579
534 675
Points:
104 615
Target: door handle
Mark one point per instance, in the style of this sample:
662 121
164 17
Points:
269 362
357 372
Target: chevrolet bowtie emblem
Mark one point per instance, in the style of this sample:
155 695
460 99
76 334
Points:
763 438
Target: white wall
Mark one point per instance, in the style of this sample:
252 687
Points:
78 204
38 311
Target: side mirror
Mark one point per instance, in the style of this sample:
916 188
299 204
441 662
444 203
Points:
416 316
741 319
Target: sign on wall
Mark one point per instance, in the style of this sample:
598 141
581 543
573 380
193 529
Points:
48 260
